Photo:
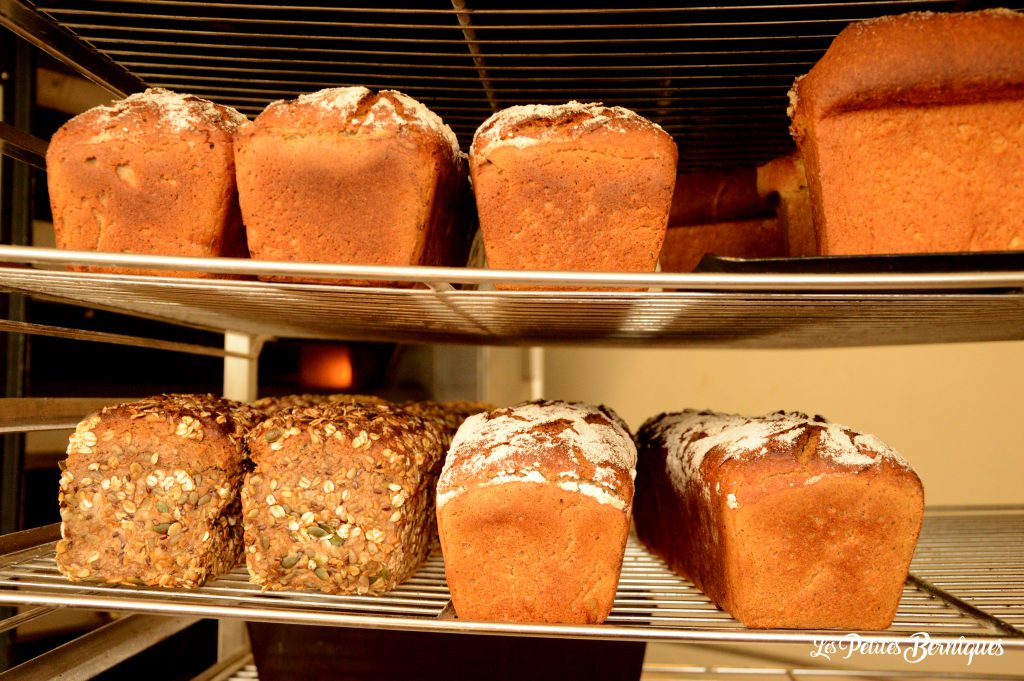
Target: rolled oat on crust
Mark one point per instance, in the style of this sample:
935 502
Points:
342 497
149 492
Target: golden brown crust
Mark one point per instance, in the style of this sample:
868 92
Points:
587 191
788 532
685 246
348 176
341 499
151 174
917 58
149 492
276 403
533 512
783 180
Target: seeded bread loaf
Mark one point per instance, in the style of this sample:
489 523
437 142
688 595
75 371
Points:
449 415
274 404
151 174
910 129
341 499
572 187
149 492
533 510
782 520
348 176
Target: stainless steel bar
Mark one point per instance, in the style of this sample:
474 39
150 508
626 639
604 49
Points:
19 144
693 281
24 617
27 22
99 650
227 668
114 338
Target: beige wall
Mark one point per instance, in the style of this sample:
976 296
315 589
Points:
955 411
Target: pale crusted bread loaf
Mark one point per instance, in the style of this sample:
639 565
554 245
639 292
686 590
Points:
345 175
686 245
151 174
572 187
342 497
910 129
149 492
782 520
533 510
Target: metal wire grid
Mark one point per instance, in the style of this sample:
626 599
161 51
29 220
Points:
741 319
715 77
652 603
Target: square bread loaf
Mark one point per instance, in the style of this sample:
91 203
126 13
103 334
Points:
149 492
345 175
151 174
342 497
577 187
910 128
782 520
533 511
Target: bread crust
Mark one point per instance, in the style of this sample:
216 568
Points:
348 176
151 174
149 492
787 533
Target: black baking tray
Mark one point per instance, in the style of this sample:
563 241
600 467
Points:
927 263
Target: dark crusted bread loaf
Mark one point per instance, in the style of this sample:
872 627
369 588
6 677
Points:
533 511
152 174
342 497
572 187
782 520
910 129
348 176
149 492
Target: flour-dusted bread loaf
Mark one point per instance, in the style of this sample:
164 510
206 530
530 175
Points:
342 497
782 520
533 510
910 130
149 492
348 176
151 174
572 187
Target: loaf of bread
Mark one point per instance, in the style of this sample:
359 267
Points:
783 181
449 415
149 492
348 176
910 130
685 246
572 187
150 174
782 520
533 510
342 497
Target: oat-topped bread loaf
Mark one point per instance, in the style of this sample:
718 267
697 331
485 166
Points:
572 187
449 415
533 510
782 520
345 175
149 492
342 497
271 405
152 174
910 129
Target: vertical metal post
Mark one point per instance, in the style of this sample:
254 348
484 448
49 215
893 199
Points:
17 98
241 379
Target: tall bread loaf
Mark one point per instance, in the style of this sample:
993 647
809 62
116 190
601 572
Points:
149 492
533 510
342 497
910 127
151 174
345 175
782 520
572 187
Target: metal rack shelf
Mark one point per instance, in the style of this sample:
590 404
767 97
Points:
944 596
738 310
